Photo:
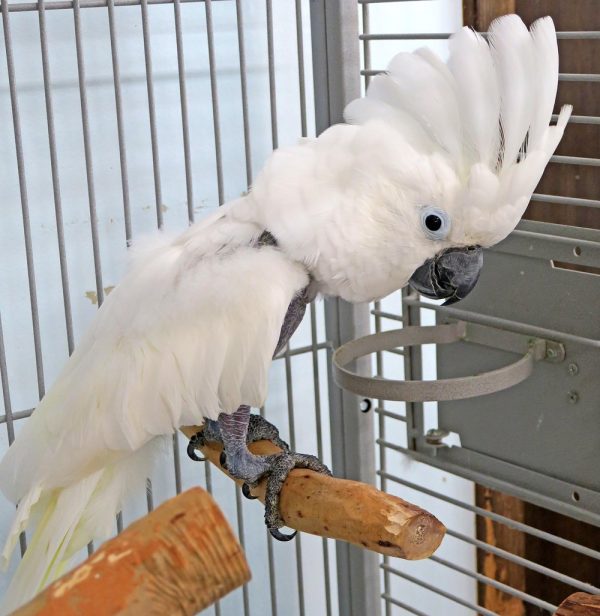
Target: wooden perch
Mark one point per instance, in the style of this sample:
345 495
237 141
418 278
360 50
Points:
579 604
176 561
346 510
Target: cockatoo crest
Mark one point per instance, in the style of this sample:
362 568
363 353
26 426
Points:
480 123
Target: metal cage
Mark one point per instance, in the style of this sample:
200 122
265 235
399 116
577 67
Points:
118 116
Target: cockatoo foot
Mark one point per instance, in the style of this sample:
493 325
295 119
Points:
210 434
280 469
259 429
247 467
241 464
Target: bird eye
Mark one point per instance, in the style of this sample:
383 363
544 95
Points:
435 223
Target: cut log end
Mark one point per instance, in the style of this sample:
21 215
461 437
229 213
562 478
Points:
177 560
347 510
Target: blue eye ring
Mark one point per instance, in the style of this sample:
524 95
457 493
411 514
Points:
435 222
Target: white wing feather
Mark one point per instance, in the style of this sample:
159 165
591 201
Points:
189 333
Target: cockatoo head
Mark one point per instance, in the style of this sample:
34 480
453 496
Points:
463 145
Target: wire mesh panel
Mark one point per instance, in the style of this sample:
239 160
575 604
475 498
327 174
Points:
474 565
118 118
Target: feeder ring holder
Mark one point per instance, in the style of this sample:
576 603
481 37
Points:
532 350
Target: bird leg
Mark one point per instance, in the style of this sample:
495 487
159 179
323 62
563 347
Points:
235 431
232 431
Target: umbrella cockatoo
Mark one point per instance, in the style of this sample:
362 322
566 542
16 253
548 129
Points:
437 162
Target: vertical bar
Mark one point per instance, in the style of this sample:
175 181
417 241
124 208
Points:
271 560
272 91
10 429
221 195
177 463
240 525
318 419
366 46
412 370
209 489
334 27
120 125
119 522
301 75
244 86
149 496
64 275
12 84
382 450
152 113
313 315
366 28
87 152
292 428
122 149
215 98
184 112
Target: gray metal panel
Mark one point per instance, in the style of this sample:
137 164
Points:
334 29
542 435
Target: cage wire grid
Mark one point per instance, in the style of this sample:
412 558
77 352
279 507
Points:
206 171
406 589
204 168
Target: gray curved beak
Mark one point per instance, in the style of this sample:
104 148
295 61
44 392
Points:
450 275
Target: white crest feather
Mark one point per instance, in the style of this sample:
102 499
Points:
491 104
546 59
478 94
513 54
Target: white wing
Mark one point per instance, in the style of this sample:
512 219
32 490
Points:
189 333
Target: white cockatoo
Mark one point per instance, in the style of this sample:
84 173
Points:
438 161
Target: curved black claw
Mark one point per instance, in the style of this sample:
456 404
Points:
191 448
223 460
246 492
277 534
281 465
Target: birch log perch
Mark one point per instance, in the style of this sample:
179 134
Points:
346 510
176 561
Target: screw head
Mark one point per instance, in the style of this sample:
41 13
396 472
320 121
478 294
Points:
573 397
573 369
435 436
551 353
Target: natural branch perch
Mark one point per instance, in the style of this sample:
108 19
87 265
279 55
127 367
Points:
579 604
176 561
347 510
